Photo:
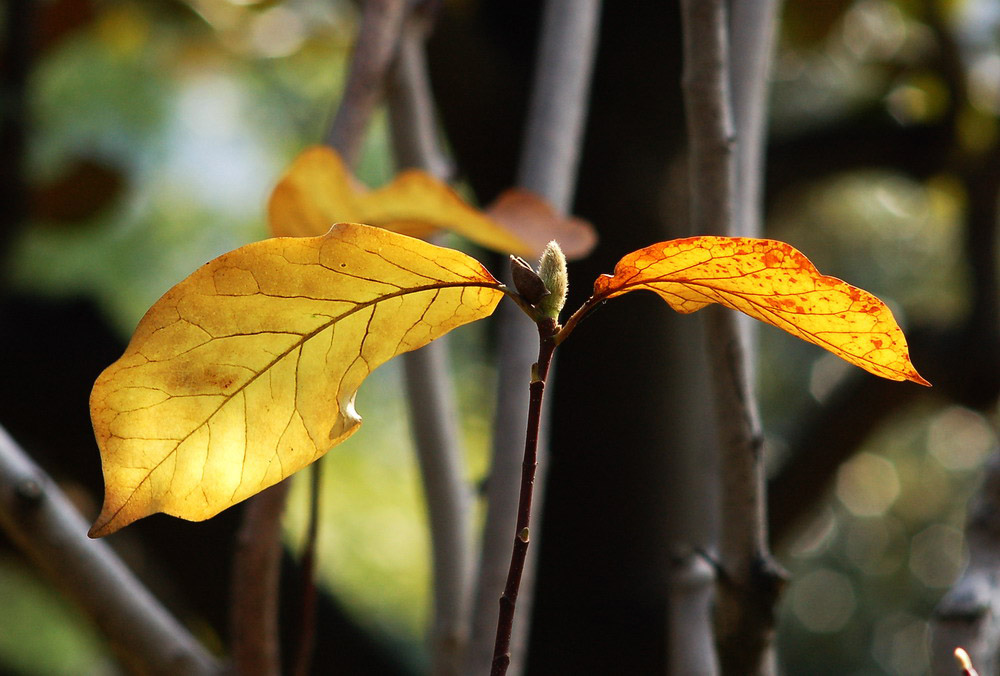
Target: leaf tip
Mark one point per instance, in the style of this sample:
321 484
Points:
113 517
102 526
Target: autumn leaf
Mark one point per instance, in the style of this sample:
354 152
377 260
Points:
318 190
532 219
246 371
773 282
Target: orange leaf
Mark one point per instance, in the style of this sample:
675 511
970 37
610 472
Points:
535 221
773 282
318 190
246 371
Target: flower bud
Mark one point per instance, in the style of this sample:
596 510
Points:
552 270
526 281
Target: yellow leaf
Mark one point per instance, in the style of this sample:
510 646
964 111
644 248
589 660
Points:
773 282
246 371
318 190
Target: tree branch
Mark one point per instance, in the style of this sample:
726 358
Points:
549 158
751 39
827 438
557 111
691 649
747 590
413 121
547 329
49 530
967 616
430 397
374 51
306 630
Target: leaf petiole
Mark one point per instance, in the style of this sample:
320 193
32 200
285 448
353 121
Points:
582 313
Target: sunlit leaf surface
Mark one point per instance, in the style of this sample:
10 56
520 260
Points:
773 282
246 371
318 190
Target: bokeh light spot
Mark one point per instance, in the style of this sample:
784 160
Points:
899 644
867 485
937 555
960 439
823 600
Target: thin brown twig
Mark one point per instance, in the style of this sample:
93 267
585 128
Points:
548 167
547 329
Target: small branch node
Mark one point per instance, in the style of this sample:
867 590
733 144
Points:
29 493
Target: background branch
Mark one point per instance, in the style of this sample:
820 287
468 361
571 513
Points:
48 529
967 615
430 396
302 663
548 167
752 25
374 51
827 439
747 590
256 650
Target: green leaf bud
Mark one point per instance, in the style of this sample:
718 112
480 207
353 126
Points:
552 270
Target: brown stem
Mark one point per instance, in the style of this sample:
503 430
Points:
307 624
547 329
574 320
256 568
549 154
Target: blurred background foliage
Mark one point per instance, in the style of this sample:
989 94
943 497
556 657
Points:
155 131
